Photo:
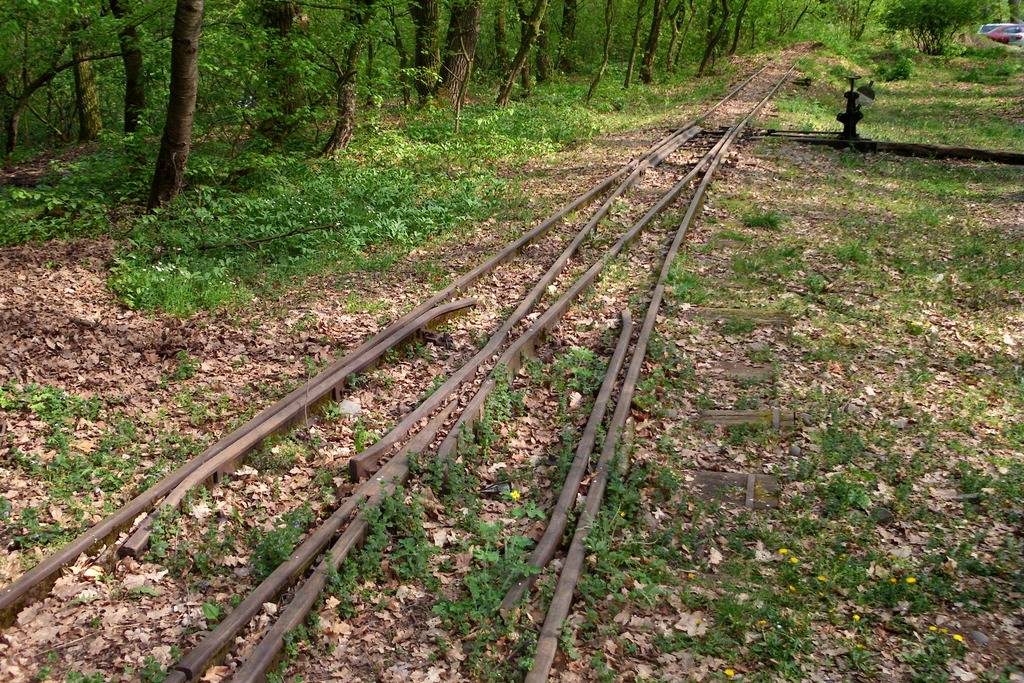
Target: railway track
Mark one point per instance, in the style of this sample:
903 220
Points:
564 258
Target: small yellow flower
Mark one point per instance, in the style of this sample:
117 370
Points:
944 630
783 551
892 580
621 513
514 494
822 577
793 560
691 576
932 629
856 617
730 672
792 589
762 622
911 580
859 646
958 638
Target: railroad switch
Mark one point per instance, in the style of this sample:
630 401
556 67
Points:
853 114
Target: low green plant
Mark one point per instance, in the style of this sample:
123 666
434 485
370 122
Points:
273 547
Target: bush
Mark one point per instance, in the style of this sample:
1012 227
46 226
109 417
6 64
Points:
932 24
899 70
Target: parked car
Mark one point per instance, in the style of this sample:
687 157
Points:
988 28
1006 34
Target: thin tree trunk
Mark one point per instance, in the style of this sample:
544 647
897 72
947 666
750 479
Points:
131 58
463 37
565 45
500 36
609 19
404 59
525 80
684 33
641 4
530 30
651 48
675 20
799 18
544 65
1015 11
345 102
87 99
714 35
739 27
176 143
427 48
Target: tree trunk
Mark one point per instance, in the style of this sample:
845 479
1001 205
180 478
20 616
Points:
345 102
799 18
169 176
674 59
544 65
404 59
651 49
462 39
675 20
530 30
427 52
714 35
87 99
609 19
636 42
131 58
282 74
500 36
565 45
525 80
739 26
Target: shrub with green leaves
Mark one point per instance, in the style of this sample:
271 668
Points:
932 24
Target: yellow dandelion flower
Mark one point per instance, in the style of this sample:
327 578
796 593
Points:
932 629
621 513
856 617
944 630
691 576
514 494
783 551
892 580
793 560
792 588
822 577
859 646
958 638
762 622
730 672
911 580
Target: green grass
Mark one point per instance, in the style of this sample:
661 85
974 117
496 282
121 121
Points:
406 179
957 100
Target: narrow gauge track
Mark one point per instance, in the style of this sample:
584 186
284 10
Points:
295 408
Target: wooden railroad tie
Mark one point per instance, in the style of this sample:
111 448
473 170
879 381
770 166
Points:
742 372
745 489
755 315
776 417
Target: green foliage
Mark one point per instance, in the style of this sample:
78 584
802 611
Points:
900 69
769 220
931 24
273 547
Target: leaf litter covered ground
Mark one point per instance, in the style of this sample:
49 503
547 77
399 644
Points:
895 550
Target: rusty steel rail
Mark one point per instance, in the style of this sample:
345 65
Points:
363 464
367 495
393 473
559 519
37 581
270 647
572 568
